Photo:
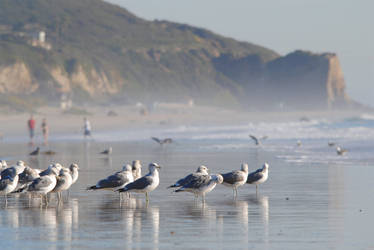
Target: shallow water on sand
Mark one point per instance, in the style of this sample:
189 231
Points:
318 206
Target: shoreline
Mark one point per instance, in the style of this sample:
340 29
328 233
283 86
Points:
161 117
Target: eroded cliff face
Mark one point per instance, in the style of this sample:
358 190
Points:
16 79
299 80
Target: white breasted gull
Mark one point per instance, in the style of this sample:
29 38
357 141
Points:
201 170
259 176
341 151
136 169
74 172
64 182
44 184
145 184
9 181
236 178
202 185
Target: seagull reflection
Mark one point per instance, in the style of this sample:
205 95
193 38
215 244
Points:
262 207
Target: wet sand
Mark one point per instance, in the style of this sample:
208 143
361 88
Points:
300 207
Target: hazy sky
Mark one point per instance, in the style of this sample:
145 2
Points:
345 27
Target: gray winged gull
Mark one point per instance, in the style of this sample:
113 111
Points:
136 169
201 170
44 184
202 185
259 176
116 181
341 151
107 151
162 141
257 140
236 178
64 182
145 184
9 181
74 172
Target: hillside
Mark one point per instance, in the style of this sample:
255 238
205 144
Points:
98 52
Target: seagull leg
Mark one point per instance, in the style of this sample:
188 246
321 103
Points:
146 197
6 200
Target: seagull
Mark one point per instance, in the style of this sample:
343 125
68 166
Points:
145 184
298 143
35 152
9 181
107 151
3 165
201 170
44 184
236 178
136 169
201 185
331 144
26 177
162 141
259 176
64 182
116 181
257 140
74 172
55 167
341 151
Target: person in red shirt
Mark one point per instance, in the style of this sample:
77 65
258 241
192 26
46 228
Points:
31 126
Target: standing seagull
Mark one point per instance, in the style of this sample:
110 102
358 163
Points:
236 178
257 140
146 183
136 169
162 141
202 170
35 152
44 184
341 151
64 181
74 172
259 176
9 181
202 185
107 151
116 181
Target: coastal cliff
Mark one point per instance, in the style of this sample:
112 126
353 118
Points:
98 52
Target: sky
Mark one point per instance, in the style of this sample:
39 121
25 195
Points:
344 27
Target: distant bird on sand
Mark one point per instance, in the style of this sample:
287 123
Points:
298 143
107 151
49 152
236 178
35 152
202 185
341 151
202 170
162 141
257 140
259 176
331 144
146 183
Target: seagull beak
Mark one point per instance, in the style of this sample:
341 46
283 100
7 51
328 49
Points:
159 167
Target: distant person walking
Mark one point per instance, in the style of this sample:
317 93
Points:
87 128
31 126
45 131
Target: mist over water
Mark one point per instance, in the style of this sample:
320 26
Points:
313 198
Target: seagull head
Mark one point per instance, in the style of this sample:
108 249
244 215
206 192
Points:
127 168
244 167
265 166
136 165
153 166
217 178
202 169
73 166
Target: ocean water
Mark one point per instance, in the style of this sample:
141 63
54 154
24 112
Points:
313 199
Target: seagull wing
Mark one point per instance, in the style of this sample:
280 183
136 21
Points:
254 138
156 140
254 176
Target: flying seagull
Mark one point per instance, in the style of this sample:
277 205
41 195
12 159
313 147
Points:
259 176
236 178
257 140
162 141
